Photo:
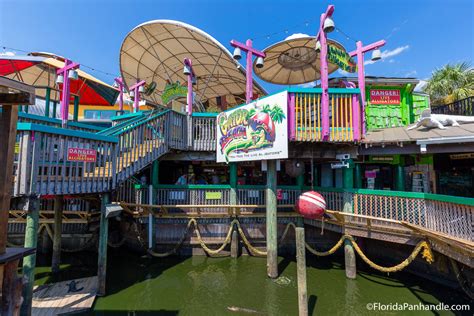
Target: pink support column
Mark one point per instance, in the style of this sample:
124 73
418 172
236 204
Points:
65 94
291 116
136 89
247 47
361 81
324 81
249 85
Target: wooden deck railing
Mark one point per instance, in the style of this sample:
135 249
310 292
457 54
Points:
305 117
453 216
461 107
38 119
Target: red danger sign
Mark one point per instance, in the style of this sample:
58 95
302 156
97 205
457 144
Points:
81 154
380 96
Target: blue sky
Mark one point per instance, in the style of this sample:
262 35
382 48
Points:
421 35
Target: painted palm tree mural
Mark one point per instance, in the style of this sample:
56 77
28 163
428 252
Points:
251 128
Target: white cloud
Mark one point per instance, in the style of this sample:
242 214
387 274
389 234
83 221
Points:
391 61
7 54
411 73
389 53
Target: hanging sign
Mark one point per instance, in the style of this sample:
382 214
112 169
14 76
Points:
256 131
173 91
212 195
341 58
381 96
81 154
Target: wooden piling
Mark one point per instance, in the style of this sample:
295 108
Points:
271 208
102 251
234 244
301 268
31 241
58 221
349 260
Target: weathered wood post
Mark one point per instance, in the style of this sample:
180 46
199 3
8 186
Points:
399 178
234 244
349 254
31 240
58 223
301 267
76 108
102 253
47 102
151 219
271 208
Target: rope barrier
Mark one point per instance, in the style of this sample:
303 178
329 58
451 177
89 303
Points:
86 245
427 254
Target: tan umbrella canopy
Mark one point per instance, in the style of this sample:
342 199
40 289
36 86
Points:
155 51
293 61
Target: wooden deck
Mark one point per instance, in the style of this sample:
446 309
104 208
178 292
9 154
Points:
54 298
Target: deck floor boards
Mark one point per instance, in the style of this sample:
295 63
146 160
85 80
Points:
54 299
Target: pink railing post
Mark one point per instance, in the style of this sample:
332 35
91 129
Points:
322 38
66 93
247 47
291 116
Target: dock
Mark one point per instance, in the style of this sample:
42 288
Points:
57 299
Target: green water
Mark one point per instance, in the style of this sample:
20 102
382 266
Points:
224 286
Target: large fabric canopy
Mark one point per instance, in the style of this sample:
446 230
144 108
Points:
154 51
39 70
293 61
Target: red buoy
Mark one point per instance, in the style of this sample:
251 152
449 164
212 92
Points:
311 205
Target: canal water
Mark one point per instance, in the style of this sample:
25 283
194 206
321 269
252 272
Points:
223 286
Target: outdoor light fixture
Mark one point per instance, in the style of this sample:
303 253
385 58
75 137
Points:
60 79
318 46
73 74
186 70
328 25
376 55
259 63
141 89
237 53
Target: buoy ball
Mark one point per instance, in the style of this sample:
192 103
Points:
311 205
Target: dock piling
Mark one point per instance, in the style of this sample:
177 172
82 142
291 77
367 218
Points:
58 221
271 208
301 268
102 253
29 262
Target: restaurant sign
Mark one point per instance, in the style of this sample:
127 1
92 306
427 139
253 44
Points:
341 58
255 131
381 96
173 91
81 154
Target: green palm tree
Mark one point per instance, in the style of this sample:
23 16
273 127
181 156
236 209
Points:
451 83
277 114
266 108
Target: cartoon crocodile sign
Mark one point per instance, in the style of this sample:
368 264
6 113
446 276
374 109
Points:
256 131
